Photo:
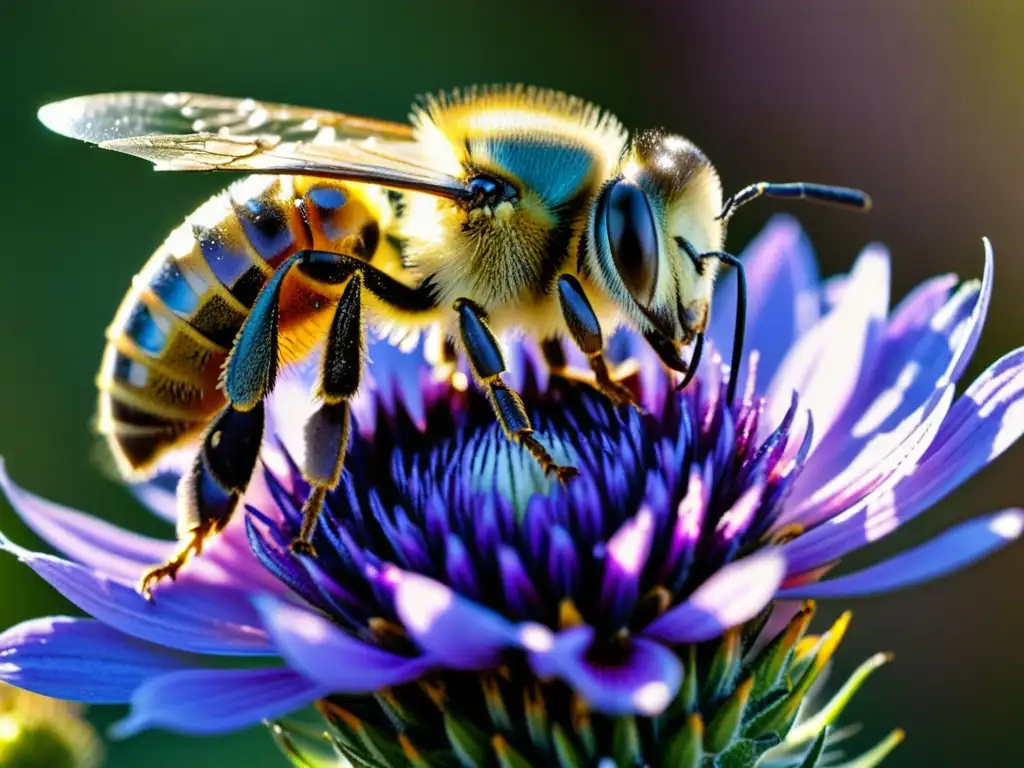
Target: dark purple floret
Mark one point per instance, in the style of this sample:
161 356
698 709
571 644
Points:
664 499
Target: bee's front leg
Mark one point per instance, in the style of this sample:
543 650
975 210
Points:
488 363
586 332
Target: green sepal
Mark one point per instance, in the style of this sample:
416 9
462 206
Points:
877 754
508 757
584 727
688 696
828 714
724 667
495 703
469 743
812 757
566 752
725 725
771 663
311 753
353 756
744 753
626 747
686 747
775 719
536 714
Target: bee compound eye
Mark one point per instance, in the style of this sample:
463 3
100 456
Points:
632 239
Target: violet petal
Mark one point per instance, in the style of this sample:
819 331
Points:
335 659
84 539
644 679
189 617
782 299
625 557
82 660
732 595
982 423
882 462
216 700
460 633
826 363
925 347
950 551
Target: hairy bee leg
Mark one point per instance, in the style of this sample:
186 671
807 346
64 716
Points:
191 544
223 467
327 431
585 330
252 366
220 473
488 364
209 492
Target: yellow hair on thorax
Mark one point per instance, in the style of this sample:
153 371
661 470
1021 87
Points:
448 124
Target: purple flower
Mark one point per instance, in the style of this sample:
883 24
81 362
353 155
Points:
460 606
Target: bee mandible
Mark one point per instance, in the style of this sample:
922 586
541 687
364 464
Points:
517 207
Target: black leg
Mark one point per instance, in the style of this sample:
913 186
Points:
488 364
586 332
821 193
209 492
327 431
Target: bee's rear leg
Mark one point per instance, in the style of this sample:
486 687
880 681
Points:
210 490
586 332
488 364
327 431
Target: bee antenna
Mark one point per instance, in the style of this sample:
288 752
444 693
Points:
844 197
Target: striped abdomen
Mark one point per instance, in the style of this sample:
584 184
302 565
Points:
159 377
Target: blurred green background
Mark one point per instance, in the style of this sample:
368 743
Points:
918 102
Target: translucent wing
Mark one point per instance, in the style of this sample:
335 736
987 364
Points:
109 116
194 132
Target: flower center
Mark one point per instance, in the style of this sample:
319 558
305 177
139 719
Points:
665 496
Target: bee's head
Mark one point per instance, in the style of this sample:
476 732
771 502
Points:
665 193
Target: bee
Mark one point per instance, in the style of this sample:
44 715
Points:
494 208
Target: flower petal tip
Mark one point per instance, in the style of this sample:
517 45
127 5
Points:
1008 524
